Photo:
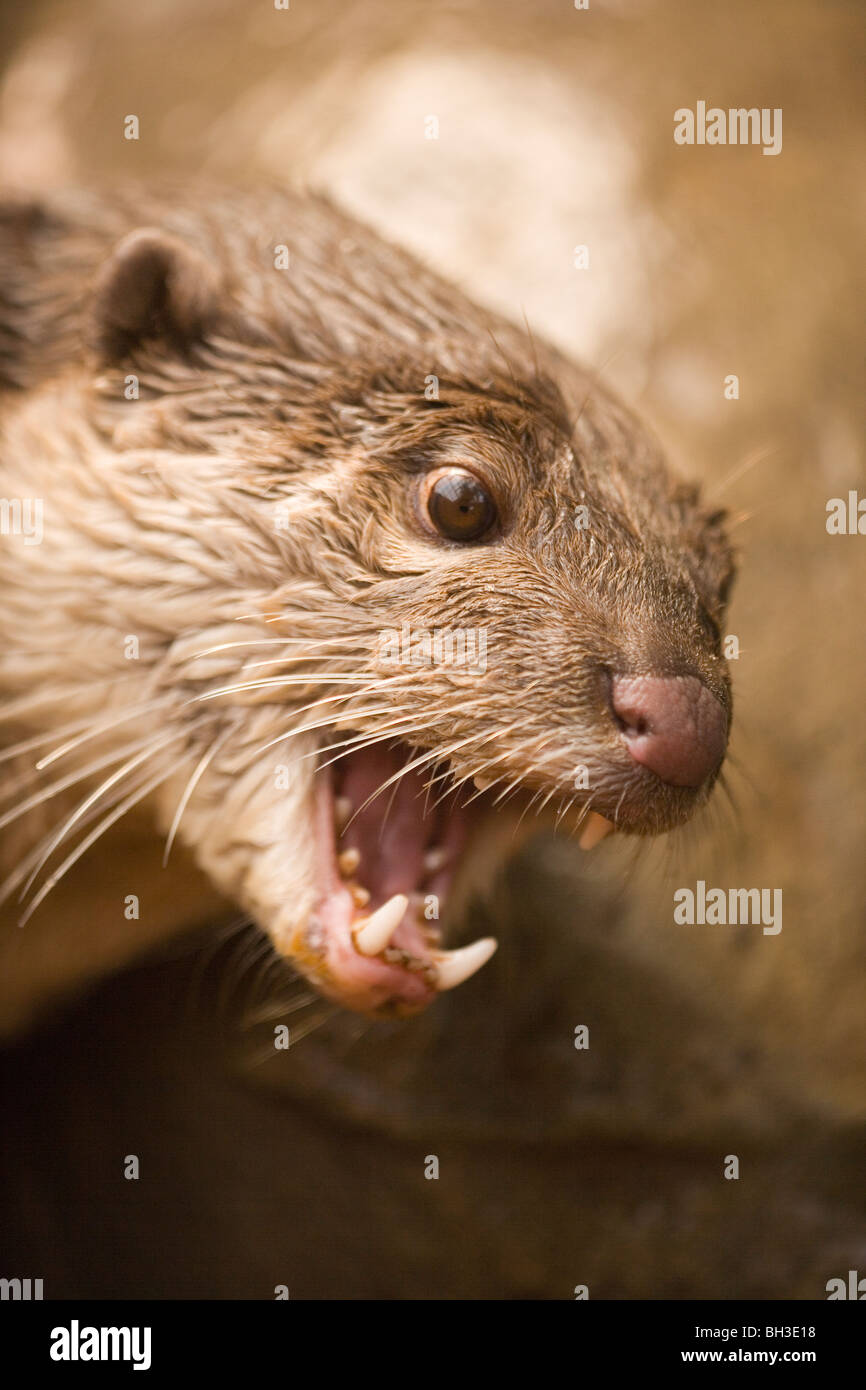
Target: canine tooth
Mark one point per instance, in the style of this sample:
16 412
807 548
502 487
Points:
360 896
342 812
373 934
596 828
348 861
453 967
435 859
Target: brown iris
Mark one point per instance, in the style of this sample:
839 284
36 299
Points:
458 504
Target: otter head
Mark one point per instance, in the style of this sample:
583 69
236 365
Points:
401 578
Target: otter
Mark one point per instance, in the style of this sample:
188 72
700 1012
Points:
340 579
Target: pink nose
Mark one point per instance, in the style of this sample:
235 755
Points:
673 725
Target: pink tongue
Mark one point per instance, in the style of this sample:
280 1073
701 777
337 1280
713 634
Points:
390 832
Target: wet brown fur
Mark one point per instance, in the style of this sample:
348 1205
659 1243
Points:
262 487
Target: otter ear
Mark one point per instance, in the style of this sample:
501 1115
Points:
153 286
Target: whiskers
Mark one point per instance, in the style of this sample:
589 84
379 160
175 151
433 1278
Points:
243 985
139 768
756 456
242 982
133 765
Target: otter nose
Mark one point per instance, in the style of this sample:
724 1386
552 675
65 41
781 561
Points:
673 725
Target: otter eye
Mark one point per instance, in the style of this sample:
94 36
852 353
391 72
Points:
458 505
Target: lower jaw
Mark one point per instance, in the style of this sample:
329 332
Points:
380 952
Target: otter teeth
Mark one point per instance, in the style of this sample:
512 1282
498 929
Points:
595 830
374 933
348 861
360 896
453 967
342 812
373 936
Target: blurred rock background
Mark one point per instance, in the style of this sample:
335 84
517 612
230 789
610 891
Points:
558 1167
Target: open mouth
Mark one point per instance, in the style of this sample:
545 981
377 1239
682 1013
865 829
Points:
391 834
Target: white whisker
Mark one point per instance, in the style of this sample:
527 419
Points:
73 819
138 795
79 775
100 729
188 790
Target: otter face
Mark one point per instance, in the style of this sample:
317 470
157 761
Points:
403 585
529 619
